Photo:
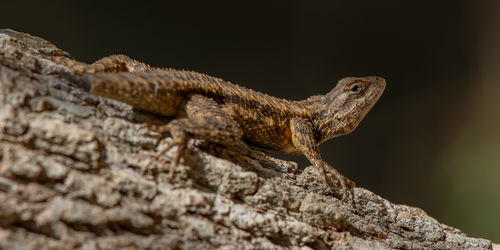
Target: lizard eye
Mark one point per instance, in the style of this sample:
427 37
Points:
355 89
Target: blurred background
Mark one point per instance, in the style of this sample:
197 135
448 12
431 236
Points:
433 139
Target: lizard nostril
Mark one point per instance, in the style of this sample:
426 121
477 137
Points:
379 79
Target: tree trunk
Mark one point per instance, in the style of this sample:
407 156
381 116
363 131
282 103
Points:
79 171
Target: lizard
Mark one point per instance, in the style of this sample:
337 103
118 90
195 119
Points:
209 108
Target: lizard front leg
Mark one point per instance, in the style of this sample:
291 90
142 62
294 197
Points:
205 120
303 139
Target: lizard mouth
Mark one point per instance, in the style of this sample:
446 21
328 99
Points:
375 90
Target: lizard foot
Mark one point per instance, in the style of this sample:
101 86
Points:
181 144
179 139
345 184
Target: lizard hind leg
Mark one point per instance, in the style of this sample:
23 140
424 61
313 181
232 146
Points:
206 120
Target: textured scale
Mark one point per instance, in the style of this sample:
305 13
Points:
212 109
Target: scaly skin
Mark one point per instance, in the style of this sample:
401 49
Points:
212 109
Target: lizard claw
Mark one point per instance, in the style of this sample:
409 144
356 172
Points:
345 184
179 139
175 162
181 146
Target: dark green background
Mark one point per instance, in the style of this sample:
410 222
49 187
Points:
433 139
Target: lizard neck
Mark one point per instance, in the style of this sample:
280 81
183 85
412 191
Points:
328 118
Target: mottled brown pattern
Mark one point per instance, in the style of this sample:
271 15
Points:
213 109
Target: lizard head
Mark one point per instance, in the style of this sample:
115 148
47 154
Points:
346 105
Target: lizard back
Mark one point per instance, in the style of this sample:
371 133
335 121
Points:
163 91
264 119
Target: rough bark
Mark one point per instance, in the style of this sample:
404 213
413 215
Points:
79 171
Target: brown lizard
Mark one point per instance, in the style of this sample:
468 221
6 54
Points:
210 108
